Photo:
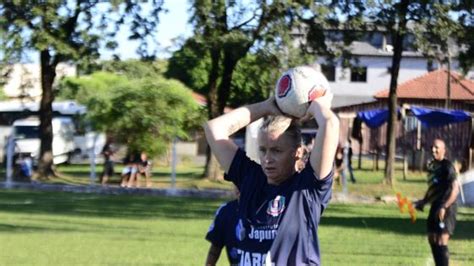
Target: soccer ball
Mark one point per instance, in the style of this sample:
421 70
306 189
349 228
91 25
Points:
297 87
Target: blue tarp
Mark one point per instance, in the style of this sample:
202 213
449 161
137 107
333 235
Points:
429 117
374 118
439 117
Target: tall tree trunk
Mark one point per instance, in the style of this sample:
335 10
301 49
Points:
48 74
212 168
230 61
218 96
398 37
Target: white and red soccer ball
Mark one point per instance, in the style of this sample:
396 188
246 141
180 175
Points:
297 87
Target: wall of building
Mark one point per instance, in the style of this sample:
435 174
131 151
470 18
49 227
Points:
378 75
24 80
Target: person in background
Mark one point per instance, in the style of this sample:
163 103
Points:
144 169
443 190
108 171
129 171
349 161
339 165
221 233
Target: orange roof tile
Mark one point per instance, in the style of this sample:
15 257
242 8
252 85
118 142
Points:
202 101
199 98
432 85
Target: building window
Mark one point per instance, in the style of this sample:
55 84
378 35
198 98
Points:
329 71
359 74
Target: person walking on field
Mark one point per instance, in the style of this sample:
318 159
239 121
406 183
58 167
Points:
442 193
279 208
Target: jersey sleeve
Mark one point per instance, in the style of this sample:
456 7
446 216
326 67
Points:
216 232
451 173
322 188
240 168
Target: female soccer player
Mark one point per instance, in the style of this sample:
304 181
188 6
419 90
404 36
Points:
279 208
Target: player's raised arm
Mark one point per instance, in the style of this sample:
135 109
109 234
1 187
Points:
219 130
325 144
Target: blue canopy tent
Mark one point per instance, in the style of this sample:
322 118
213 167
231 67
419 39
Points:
429 117
439 117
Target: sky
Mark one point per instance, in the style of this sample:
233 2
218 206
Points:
173 24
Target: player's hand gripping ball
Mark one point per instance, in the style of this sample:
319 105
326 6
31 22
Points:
297 87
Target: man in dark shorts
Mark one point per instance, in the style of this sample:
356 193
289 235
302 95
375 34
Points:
442 194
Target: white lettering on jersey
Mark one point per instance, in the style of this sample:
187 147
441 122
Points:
252 258
262 234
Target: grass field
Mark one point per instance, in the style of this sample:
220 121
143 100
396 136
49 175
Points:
44 228
369 183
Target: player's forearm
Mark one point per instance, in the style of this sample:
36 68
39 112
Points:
322 156
227 124
213 255
453 195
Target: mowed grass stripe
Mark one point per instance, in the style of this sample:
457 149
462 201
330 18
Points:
46 228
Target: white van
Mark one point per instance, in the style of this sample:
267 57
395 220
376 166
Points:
27 140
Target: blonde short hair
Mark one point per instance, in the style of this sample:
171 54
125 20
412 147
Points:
283 125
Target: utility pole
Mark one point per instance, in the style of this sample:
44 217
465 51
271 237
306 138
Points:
448 85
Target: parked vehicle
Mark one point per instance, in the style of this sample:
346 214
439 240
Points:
83 145
27 138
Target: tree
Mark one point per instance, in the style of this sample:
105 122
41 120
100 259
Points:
227 31
437 36
252 80
424 21
145 114
63 31
397 26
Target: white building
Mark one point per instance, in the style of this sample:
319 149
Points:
372 61
24 80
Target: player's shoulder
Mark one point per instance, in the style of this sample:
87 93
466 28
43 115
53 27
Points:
227 206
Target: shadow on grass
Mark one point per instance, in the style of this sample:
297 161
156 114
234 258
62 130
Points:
55 204
140 207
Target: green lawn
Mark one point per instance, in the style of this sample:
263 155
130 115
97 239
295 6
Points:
369 183
44 228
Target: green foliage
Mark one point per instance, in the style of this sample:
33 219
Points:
437 32
146 114
253 79
135 69
190 65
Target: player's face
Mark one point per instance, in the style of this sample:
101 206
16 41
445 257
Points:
438 150
278 155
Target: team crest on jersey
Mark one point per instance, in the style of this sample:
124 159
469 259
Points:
276 206
284 86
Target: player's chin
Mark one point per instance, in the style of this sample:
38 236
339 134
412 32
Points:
272 175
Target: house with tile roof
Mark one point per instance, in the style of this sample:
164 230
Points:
371 65
429 91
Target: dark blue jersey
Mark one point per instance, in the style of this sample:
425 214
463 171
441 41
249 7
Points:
222 231
278 224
